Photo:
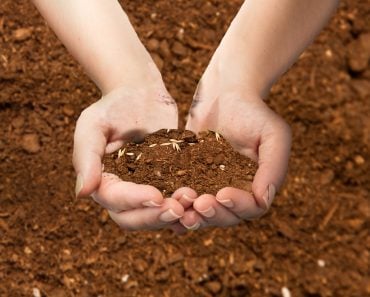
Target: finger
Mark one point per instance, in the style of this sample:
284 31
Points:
149 218
273 156
213 212
88 150
240 202
186 196
192 220
117 195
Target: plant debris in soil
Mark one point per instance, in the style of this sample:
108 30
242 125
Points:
170 159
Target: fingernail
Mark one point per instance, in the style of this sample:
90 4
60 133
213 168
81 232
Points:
268 196
150 203
226 202
193 227
210 212
79 184
187 198
169 216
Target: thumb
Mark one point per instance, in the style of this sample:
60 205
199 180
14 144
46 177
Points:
88 150
273 157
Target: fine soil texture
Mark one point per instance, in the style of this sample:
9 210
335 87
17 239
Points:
170 159
314 241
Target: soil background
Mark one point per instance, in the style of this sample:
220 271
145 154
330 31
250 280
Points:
314 241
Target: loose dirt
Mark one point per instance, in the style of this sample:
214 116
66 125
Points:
314 240
170 159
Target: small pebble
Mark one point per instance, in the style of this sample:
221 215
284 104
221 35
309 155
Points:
328 53
36 292
359 160
153 44
68 111
214 287
321 263
285 292
22 34
31 143
125 278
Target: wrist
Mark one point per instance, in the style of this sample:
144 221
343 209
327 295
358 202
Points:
227 74
133 71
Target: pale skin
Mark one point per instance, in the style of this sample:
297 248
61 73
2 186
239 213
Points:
262 42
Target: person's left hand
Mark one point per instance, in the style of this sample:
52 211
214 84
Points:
255 131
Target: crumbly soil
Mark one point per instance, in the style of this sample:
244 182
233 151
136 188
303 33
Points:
314 240
170 159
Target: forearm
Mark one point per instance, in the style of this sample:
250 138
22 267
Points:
265 39
99 35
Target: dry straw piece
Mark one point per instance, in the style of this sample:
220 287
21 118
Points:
218 137
121 153
138 157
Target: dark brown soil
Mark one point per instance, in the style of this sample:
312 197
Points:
314 239
170 159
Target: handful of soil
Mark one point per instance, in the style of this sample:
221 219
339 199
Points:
170 159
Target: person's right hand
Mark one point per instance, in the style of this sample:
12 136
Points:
122 115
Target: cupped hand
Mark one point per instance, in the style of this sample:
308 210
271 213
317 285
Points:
124 114
254 130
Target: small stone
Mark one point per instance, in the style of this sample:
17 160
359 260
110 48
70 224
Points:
104 216
181 172
36 292
359 160
179 49
68 111
213 287
22 34
158 61
328 53
285 292
125 278
180 34
153 45
321 263
157 173
249 177
31 143
164 49
27 250
208 242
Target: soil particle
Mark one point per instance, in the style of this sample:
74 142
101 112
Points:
18 122
31 143
167 161
158 61
164 49
152 44
22 34
359 54
179 49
